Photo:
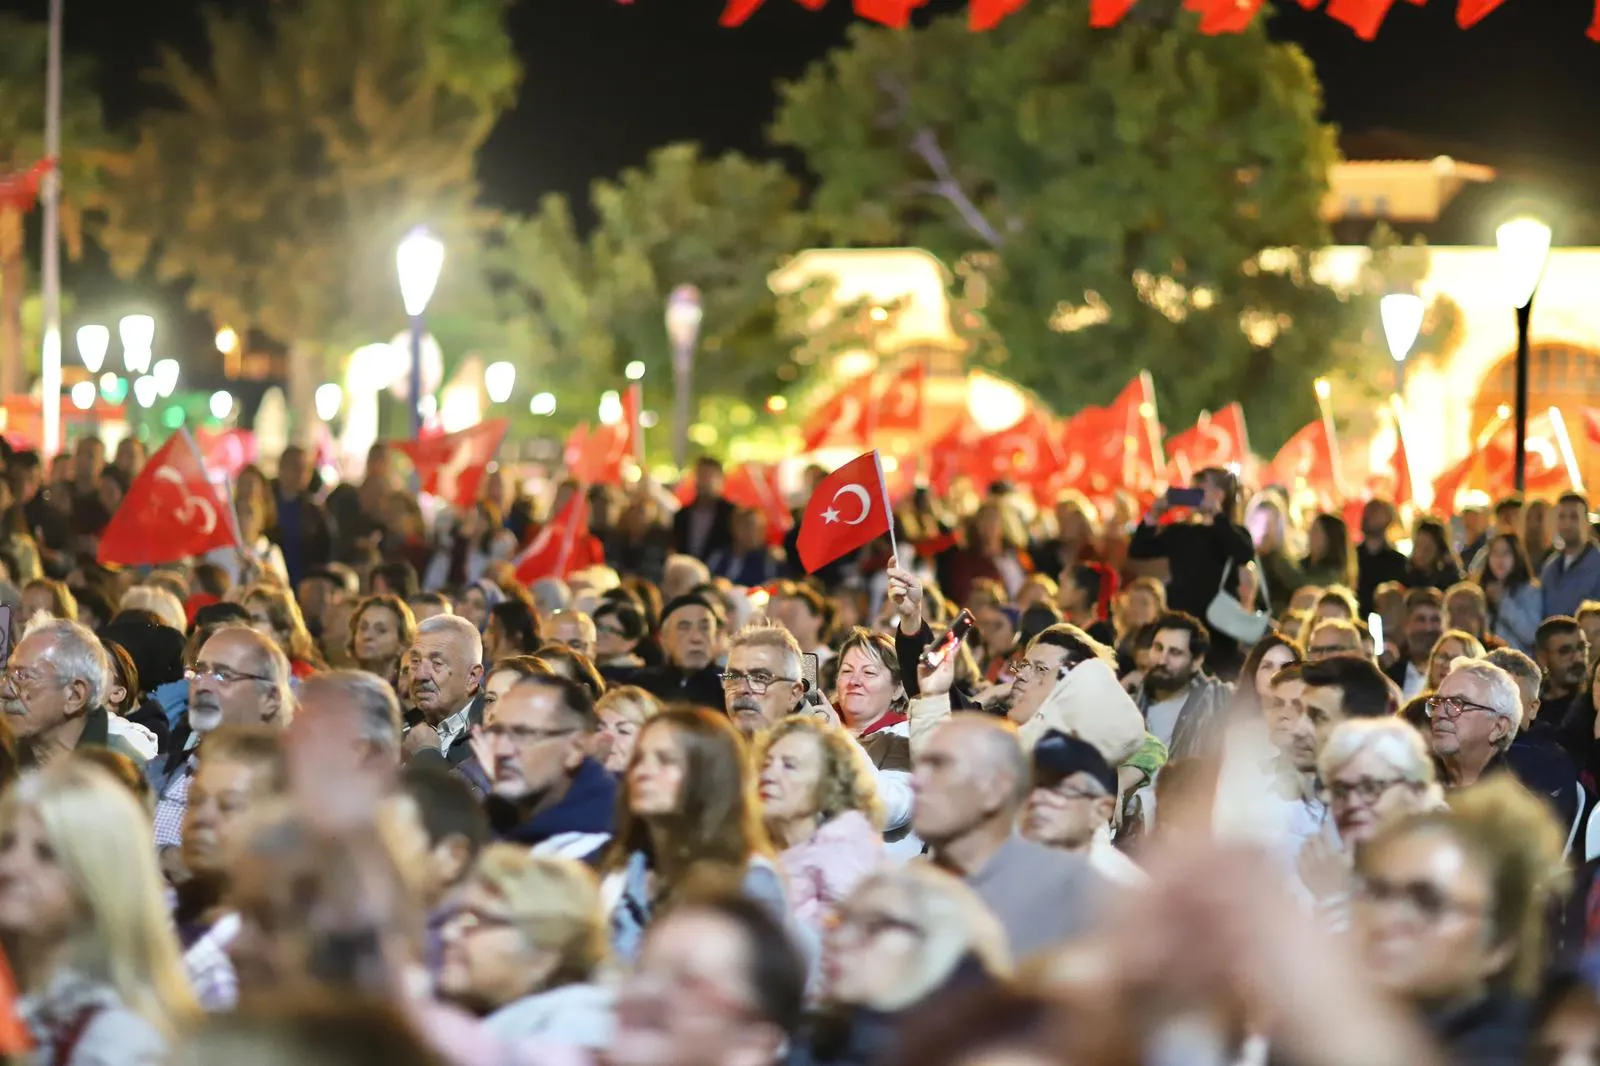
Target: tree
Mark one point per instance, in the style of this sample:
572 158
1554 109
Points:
1147 196
296 157
86 151
598 302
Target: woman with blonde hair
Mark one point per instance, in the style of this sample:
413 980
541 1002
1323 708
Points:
905 935
524 949
819 800
623 712
84 923
1450 912
274 613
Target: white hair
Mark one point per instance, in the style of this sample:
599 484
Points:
457 628
1394 741
75 653
371 697
159 602
1523 670
1500 692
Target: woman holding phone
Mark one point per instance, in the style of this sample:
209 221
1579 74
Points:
1204 555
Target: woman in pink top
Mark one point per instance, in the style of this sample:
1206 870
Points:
819 800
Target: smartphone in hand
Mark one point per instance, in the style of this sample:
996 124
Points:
958 632
1182 497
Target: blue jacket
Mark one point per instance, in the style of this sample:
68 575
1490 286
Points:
1517 618
578 827
1565 587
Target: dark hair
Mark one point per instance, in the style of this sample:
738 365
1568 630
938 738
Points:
92 601
1507 503
1521 569
1199 635
979 1021
1245 693
1364 691
1079 646
1430 527
127 772
1337 536
1555 626
1224 479
212 579
1424 596
825 609
431 599
399 576
776 973
519 623
627 615
577 697
1574 497
125 674
446 807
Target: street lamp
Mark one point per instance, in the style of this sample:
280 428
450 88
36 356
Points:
138 334
419 260
1524 245
145 390
221 404
329 397
166 374
92 344
499 379
1402 314
684 315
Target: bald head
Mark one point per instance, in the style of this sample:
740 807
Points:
970 775
239 677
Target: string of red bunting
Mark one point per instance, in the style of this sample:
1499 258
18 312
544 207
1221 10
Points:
1216 16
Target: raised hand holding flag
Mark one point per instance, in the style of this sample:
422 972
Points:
848 510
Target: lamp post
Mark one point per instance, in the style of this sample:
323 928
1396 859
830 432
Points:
138 336
50 254
684 315
93 342
419 260
1402 314
1524 245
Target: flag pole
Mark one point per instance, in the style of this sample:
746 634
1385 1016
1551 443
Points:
1325 410
1564 442
888 508
570 534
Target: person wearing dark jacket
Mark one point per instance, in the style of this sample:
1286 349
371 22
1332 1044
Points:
1203 556
705 526
694 639
302 531
547 792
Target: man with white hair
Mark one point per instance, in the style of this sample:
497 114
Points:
445 664
54 695
1474 717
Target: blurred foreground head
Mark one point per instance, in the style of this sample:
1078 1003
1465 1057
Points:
320 1030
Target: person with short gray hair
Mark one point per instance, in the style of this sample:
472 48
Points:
1473 718
370 710
54 694
445 663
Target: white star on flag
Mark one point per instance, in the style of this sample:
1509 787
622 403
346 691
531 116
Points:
830 515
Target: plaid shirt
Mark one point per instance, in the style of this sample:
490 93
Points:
211 972
172 804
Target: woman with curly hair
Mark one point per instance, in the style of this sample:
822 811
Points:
819 801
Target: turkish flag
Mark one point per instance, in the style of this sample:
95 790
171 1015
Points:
562 546
1594 27
755 486
227 452
1363 16
171 512
848 510
900 408
987 14
451 466
633 432
1026 453
1214 440
845 421
595 456
1308 458
1103 14
1471 12
948 455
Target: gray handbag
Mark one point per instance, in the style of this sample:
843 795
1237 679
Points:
1225 614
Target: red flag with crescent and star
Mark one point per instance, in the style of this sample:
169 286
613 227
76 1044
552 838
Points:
900 408
451 466
845 421
172 511
1214 440
848 510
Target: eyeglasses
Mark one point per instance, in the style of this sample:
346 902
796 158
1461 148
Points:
1368 790
1453 707
611 631
220 674
759 681
1419 900
869 926
21 677
521 735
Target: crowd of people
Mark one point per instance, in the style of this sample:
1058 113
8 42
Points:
1212 780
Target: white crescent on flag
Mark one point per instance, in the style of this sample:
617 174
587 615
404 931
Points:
860 494
193 506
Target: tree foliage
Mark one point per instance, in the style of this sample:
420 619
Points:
1118 188
298 154
597 302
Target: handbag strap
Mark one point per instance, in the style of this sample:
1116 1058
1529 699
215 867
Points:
1261 595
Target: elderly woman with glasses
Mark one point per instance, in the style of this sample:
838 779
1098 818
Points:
905 935
1372 770
1450 914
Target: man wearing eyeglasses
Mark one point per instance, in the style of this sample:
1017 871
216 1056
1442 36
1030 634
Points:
54 694
548 792
238 678
762 684
1473 718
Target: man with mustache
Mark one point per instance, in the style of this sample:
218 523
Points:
762 684
238 678
54 694
549 792
445 665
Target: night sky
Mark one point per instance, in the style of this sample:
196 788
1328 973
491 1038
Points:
605 82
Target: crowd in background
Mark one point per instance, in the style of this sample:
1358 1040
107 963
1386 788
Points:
1214 779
